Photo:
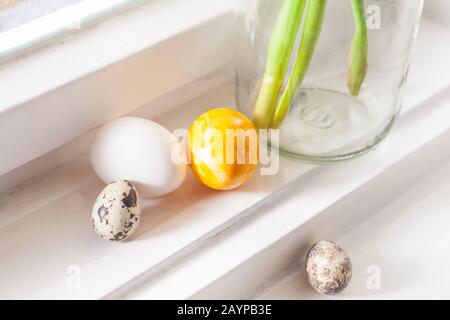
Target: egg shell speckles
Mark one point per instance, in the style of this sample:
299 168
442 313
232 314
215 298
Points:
117 211
328 267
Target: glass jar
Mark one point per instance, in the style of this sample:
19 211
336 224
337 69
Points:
326 121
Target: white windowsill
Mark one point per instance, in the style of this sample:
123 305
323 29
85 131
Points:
260 252
203 244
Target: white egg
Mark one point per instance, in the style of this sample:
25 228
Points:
117 211
141 151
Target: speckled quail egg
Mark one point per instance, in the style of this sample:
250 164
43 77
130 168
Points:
117 211
328 267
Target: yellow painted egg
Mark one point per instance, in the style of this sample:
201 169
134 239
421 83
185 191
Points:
223 148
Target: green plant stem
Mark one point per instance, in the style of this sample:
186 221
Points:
281 45
359 50
311 33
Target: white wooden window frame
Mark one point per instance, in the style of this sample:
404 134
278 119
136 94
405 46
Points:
46 96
